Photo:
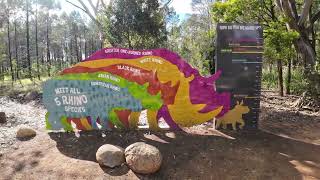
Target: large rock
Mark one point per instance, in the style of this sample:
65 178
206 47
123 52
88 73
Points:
25 132
143 158
31 95
110 155
3 118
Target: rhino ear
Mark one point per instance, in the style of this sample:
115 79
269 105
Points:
215 76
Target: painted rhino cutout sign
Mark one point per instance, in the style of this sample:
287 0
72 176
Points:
111 88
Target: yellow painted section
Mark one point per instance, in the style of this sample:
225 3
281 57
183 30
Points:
134 119
183 112
233 117
186 114
85 123
152 120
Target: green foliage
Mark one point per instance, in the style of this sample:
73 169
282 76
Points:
279 41
269 79
237 11
137 24
193 40
298 85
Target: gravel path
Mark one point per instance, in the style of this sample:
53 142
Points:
30 114
275 111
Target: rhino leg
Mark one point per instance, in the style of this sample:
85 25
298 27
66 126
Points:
234 127
66 124
241 123
104 123
218 123
55 122
134 119
48 125
152 120
113 117
164 113
224 125
94 122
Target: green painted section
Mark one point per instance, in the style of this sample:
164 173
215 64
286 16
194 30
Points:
140 92
114 118
66 125
48 125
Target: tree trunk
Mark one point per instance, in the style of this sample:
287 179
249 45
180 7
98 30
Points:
270 68
297 23
37 48
102 39
304 47
288 77
71 52
280 77
42 58
1 72
28 42
48 47
85 43
76 46
9 50
16 50
92 48
85 49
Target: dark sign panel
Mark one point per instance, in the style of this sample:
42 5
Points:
239 57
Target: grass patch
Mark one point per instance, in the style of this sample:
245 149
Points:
8 88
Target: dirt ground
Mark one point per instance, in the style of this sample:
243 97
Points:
286 146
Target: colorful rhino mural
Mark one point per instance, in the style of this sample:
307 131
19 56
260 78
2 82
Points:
110 88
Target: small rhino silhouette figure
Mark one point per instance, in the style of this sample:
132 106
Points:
233 117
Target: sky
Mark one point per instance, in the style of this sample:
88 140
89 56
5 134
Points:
182 7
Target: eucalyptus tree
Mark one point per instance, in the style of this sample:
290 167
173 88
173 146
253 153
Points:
135 24
96 14
302 19
48 6
10 8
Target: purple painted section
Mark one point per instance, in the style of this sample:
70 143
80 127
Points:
174 58
164 113
202 89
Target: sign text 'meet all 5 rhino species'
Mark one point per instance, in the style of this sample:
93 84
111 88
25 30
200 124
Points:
110 89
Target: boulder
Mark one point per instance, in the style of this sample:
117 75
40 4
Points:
25 132
3 118
31 95
110 155
143 158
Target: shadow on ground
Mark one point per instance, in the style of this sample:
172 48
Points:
291 124
252 155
